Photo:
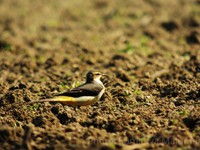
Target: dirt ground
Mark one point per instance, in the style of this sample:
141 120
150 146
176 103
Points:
150 50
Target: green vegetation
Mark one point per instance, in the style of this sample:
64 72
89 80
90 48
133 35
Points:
40 93
184 112
141 46
174 121
127 93
69 86
33 107
137 91
111 146
129 48
43 79
5 46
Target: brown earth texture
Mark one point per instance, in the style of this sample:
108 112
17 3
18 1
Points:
150 50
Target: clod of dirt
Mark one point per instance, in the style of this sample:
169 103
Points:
190 122
140 98
35 88
132 138
161 138
38 121
12 135
20 85
193 38
53 61
192 22
170 90
47 120
55 110
27 137
193 95
120 56
64 118
5 46
169 26
10 97
122 75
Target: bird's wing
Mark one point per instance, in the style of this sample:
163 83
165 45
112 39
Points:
88 89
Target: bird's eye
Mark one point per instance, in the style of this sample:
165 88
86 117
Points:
97 74
91 75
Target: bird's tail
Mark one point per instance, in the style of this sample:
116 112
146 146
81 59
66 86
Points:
62 99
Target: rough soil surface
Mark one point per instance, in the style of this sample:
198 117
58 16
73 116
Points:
149 48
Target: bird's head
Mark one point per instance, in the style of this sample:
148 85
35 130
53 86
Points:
93 76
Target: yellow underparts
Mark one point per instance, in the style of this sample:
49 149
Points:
66 100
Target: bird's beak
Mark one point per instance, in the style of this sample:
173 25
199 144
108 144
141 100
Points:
104 74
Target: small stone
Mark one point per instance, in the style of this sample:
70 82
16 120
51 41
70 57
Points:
147 75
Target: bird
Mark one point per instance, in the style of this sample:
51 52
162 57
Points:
86 94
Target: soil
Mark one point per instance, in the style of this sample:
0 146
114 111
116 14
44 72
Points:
150 50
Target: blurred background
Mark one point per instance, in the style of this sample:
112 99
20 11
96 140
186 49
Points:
149 48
